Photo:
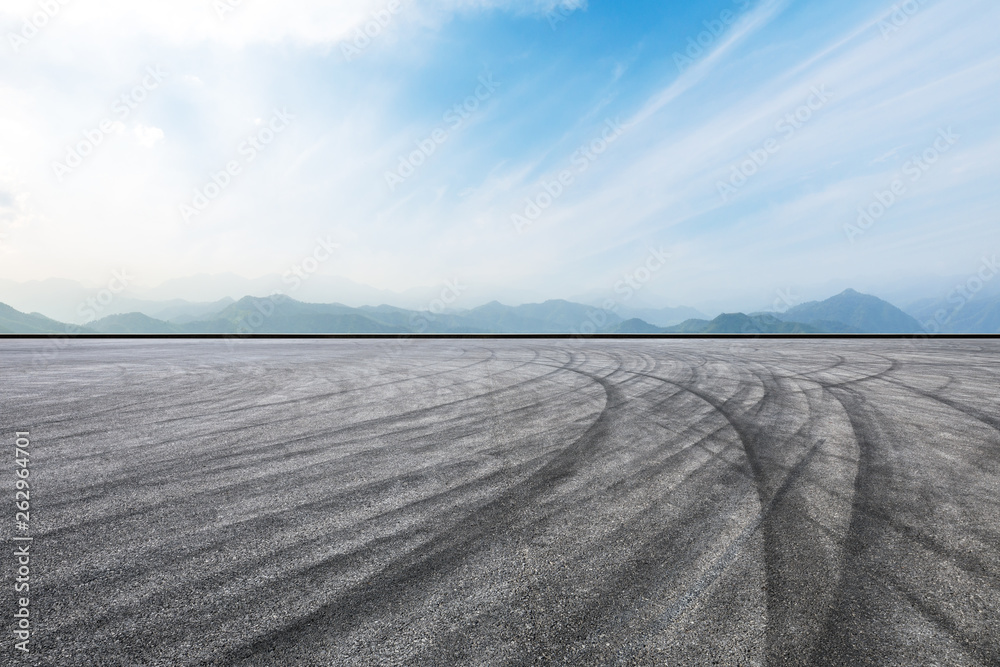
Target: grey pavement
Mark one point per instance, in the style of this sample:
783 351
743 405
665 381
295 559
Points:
508 502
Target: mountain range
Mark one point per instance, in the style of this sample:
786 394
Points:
845 313
14 321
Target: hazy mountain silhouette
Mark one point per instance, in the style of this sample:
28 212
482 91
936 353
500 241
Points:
15 322
555 316
133 323
662 317
847 312
860 312
281 314
739 323
180 312
636 326
958 314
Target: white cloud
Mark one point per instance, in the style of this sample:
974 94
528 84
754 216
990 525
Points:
744 28
327 171
233 22
236 23
889 98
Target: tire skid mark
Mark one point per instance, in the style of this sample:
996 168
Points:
854 620
449 550
237 451
988 419
770 498
241 568
240 486
392 567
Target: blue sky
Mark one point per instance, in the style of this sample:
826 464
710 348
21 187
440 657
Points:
740 138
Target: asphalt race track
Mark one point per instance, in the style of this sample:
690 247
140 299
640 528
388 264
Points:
507 502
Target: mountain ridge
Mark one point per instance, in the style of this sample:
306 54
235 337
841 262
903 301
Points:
849 312
862 312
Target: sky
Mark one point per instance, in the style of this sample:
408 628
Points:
719 152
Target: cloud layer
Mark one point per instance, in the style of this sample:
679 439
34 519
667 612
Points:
537 146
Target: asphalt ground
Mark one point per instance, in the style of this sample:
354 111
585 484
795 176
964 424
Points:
507 502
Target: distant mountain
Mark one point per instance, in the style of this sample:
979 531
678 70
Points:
662 317
186 311
58 298
184 299
739 323
201 298
981 314
281 314
848 312
15 322
70 301
689 326
860 312
727 323
133 323
555 316
635 326
833 327
315 288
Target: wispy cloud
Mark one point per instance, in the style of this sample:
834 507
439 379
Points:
688 129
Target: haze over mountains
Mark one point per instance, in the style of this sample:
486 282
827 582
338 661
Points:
845 313
197 295
14 321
